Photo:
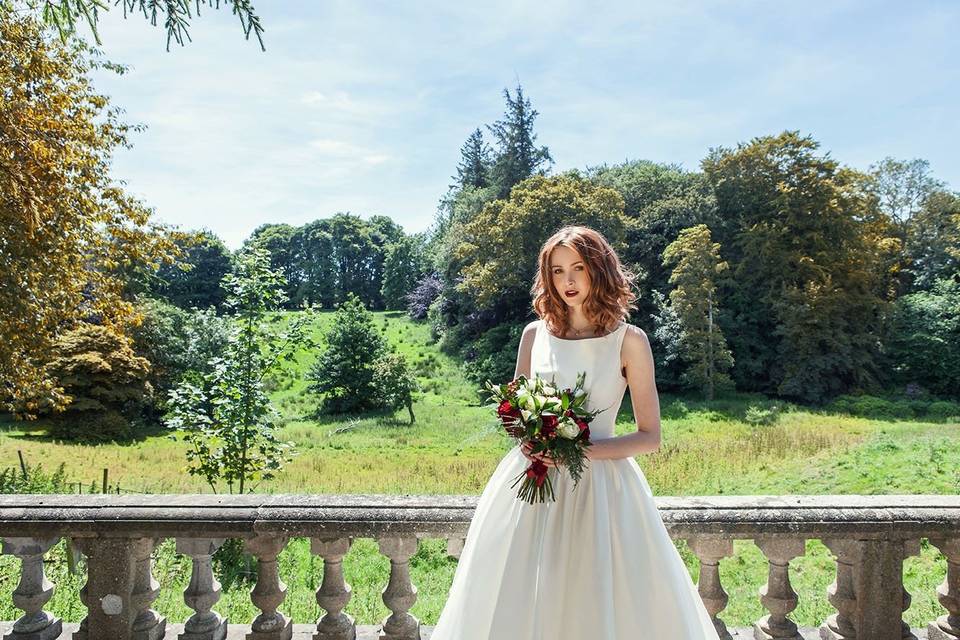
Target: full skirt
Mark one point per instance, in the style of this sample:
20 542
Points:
596 564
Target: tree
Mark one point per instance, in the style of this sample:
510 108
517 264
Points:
402 269
178 343
396 384
933 240
696 264
67 229
194 280
923 338
902 187
474 168
105 381
280 240
344 375
808 255
63 15
498 249
660 200
517 157
236 442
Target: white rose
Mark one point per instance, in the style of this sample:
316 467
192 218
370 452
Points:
525 401
549 391
525 414
568 429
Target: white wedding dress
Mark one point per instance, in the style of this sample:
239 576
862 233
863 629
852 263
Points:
596 564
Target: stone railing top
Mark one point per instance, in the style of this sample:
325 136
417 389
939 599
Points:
370 515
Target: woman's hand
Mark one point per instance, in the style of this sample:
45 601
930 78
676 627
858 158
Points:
543 456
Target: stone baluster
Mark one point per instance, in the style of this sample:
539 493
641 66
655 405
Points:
203 591
84 546
34 590
400 593
334 592
710 551
947 627
841 594
778 596
910 548
270 591
148 624
455 547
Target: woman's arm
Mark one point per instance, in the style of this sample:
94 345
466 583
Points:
638 358
524 351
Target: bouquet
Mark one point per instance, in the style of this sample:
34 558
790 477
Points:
555 421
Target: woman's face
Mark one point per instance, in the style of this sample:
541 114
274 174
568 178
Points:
569 274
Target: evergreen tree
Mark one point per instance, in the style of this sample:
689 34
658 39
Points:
402 268
517 156
474 168
696 266
344 373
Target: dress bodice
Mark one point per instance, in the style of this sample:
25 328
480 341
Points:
562 360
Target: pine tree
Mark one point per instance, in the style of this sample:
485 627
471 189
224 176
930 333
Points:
517 157
696 265
344 373
474 168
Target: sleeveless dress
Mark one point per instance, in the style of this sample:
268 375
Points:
596 564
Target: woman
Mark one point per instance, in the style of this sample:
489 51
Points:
597 563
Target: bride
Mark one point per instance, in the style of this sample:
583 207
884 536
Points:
597 563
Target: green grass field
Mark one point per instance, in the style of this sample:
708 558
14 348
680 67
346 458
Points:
707 449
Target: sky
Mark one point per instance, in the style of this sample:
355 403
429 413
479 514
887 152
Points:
363 106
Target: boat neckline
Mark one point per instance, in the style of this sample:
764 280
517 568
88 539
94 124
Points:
549 333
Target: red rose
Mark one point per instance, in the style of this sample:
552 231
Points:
538 471
580 423
549 427
506 412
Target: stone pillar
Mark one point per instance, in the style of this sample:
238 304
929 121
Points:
334 592
947 627
203 591
119 589
147 624
710 551
778 596
270 591
400 594
868 593
34 590
455 547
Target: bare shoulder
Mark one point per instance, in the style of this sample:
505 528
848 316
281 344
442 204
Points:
636 345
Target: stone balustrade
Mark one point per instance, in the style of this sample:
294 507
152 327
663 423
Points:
870 536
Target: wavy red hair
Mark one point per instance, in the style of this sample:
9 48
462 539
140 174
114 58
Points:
611 284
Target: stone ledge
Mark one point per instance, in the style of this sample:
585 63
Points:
361 515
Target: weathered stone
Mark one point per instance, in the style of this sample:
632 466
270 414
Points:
400 593
334 592
710 551
778 596
203 591
34 590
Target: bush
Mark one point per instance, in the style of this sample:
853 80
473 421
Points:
759 416
943 410
106 380
13 480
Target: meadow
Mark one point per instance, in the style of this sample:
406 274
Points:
708 448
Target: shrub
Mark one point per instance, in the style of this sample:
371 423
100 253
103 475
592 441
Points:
13 480
106 380
758 416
